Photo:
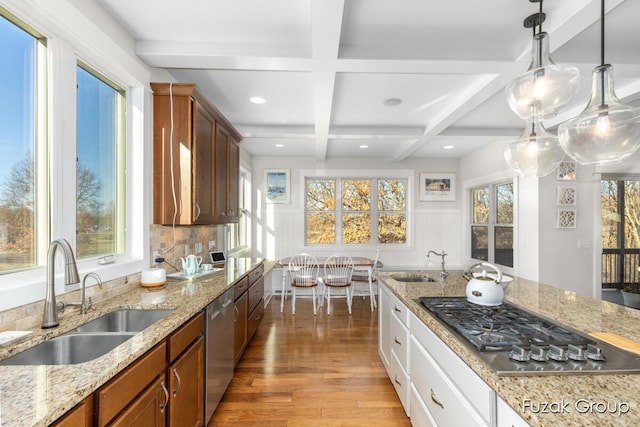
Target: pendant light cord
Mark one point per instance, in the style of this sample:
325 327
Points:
602 102
540 19
602 32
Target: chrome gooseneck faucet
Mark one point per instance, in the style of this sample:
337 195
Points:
85 305
443 273
50 315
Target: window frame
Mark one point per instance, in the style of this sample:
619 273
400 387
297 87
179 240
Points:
492 222
58 101
374 176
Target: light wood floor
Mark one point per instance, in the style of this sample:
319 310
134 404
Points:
312 371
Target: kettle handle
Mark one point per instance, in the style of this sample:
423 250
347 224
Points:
469 274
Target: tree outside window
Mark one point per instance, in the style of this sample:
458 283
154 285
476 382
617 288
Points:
371 210
492 223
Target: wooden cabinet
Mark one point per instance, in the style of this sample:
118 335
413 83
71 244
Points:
148 409
240 326
126 388
185 374
195 158
249 302
227 176
186 386
80 416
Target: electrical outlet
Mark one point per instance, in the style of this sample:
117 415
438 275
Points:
156 255
186 250
198 248
212 245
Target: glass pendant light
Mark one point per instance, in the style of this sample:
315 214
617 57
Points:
536 153
607 131
546 87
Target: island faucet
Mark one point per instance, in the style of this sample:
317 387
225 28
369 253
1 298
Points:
50 315
443 274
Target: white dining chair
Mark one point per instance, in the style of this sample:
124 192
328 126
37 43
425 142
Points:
303 273
366 276
338 270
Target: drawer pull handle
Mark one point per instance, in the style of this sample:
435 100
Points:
396 309
166 397
175 374
435 399
397 381
397 341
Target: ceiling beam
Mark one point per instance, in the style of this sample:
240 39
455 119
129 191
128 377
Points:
326 25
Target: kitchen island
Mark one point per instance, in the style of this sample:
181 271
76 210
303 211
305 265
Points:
543 400
38 395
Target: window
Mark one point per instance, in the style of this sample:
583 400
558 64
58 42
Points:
372 211
239 235
100 166
492 223
620 225
20 118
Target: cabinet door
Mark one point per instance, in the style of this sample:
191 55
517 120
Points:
234 181
384 330
80 415
221 174
186 387
172 140
148 409
240 326
203 166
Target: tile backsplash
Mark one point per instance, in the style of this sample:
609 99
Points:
173 242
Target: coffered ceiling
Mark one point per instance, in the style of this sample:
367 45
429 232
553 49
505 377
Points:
404 78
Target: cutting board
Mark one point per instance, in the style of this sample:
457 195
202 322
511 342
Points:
618 341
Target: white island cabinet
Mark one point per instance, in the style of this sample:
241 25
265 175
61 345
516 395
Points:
394 343
435 387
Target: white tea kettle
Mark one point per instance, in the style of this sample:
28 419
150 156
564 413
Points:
483 289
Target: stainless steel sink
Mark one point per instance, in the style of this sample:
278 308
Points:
128 320
417 279
68 349
89 341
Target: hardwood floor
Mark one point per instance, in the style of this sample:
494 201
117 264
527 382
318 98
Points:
312 371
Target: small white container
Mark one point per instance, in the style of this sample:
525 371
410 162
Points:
153 278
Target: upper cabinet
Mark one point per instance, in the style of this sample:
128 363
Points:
196 159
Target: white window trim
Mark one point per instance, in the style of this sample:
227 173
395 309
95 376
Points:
409 175
62 57
490 180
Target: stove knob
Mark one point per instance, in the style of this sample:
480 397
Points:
518 353
556 353
576 353
539 354
594 353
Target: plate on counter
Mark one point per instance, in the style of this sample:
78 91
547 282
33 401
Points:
203 274
7 337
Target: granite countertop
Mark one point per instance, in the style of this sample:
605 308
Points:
38 395
589 400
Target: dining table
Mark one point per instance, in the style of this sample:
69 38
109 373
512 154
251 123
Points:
363 264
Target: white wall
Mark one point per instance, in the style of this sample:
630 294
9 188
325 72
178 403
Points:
279 228
564 258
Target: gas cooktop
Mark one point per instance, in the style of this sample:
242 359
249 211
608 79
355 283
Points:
514 341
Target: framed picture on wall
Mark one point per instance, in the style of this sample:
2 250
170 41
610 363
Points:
437 187
277 185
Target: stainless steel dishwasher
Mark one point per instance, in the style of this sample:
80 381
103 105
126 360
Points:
218 357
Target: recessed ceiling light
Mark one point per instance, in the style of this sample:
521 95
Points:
448 147
257 100
392 102
279 145
364 146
